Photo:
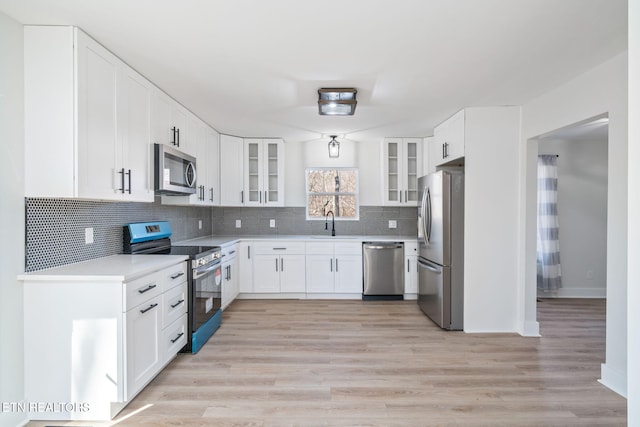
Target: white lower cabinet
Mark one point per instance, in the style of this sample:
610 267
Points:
230 282
279 267
103 338
144 353
334 268
245 267
411 270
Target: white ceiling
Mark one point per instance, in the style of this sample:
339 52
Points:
253 67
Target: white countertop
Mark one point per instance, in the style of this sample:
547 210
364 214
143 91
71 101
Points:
231 239
119 268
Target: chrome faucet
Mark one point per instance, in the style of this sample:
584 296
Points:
333 223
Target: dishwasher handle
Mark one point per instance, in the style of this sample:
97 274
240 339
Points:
383 246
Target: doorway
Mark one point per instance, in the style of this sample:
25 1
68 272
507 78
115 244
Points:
582 168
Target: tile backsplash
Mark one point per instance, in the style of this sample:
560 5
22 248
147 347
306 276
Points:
55 228
374 220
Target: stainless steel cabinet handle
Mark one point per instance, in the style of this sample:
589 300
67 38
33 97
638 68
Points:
281 264
175 276
211 198
407 266
248 252
148 288
279 249
178 131
276 264
232 252
331 265
177 304
152 306
336 265
173 142
406 196
260 197
178 337
242 196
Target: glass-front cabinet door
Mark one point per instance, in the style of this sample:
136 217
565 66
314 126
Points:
264 172
402 166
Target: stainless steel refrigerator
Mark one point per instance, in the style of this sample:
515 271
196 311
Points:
441 248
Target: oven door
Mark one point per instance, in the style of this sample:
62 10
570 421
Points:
207 293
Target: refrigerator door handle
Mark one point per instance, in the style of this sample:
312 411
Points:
423 212
429 266
427 218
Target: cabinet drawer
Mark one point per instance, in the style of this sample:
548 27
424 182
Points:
174 304
174 337
229 252
348 248
279 248
173 276
140 290
320 248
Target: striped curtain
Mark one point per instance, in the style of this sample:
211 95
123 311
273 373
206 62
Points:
548 259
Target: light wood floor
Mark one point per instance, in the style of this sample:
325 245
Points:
343 363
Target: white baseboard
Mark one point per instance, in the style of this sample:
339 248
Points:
613 379
531 329
575 293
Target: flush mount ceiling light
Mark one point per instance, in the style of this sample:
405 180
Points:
334 147
337 101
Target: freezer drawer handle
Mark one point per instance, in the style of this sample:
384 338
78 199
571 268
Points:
429 267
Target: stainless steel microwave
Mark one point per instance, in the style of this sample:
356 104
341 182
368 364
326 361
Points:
175 171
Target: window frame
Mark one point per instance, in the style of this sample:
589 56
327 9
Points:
355 194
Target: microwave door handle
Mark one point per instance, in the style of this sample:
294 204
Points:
190 180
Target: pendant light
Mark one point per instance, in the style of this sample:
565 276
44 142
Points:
334 147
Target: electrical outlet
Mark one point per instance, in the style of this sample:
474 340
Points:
199 224
272 223
238 223
88 235
393 223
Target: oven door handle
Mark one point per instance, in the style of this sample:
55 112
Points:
199 272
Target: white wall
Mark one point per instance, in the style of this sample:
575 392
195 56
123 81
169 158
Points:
491 219
11 216
633 301
363 155
600 90
582 214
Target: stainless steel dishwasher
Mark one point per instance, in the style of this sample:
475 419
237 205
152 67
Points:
383 270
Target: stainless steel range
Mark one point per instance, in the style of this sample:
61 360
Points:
204 276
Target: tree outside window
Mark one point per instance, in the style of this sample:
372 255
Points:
332 189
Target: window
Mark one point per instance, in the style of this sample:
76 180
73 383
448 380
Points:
332 189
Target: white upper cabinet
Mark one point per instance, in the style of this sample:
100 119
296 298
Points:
402 166
207 145
135 92
231 171
170 124
448 144
263 172
212 191
87 130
